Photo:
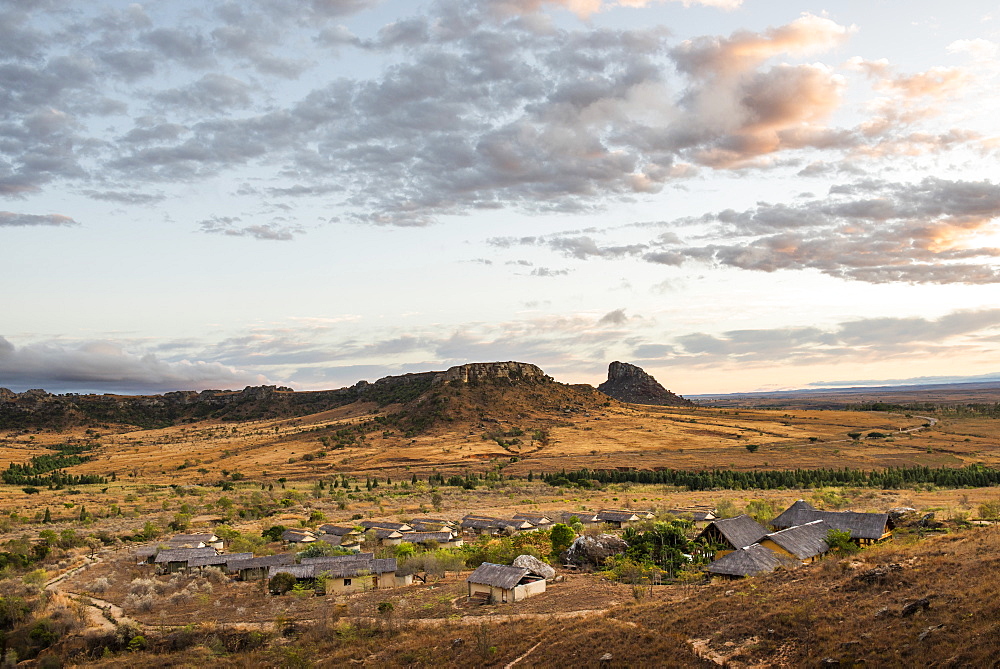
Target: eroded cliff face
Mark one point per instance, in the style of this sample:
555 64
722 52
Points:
629 383
494 372
37 408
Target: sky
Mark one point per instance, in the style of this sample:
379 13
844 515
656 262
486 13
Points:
735 195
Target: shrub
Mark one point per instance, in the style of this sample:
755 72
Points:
281 583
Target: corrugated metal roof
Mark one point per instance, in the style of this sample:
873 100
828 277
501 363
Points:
497 575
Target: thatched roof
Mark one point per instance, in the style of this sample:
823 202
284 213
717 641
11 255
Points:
420 537
479 523
338 559
860 525
384 533
614 516
298 536
739 531
338 530
697 513
803 541
219 560
385 524
497 575
432 525
183 554
299 571
262 561
534 518
583 516
206 538
748 561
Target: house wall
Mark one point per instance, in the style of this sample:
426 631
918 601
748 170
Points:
528 590
499 594
336 586
775 548
403 580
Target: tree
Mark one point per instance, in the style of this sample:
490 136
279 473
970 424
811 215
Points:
752 447
48 516
274 532
562 537
437 500
840 542
281 583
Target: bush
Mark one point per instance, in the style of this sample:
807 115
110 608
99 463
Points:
281 583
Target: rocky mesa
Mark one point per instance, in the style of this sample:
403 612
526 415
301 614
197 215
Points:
629 383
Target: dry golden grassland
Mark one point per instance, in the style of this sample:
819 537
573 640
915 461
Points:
643 438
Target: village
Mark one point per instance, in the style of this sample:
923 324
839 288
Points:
330 559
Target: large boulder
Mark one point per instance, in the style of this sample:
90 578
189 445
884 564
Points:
592 551
535 566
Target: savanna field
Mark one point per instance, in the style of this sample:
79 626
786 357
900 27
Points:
495 452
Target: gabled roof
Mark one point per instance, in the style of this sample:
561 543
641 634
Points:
218 560
204 537
433 521
429 526
798 513
697 513
338 530
803 541
183 554
385 533
860 525
339 559
608 515
582 516
298 536
739 531
385 524
534 518
263 561
296 570
418 537
497 575
748 561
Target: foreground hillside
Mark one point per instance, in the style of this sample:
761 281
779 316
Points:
842 611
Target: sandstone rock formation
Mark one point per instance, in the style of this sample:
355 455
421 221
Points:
494 372
628 383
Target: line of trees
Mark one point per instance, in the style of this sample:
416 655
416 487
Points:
890 478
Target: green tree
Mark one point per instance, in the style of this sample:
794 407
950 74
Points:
281 583
840 542
562 537
48 516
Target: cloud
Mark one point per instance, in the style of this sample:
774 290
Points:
104 366
865 340
227 225
585 8
11 219
931 231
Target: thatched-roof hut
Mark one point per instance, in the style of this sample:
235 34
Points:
865 528
802 542
733 533
502 583
747 561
